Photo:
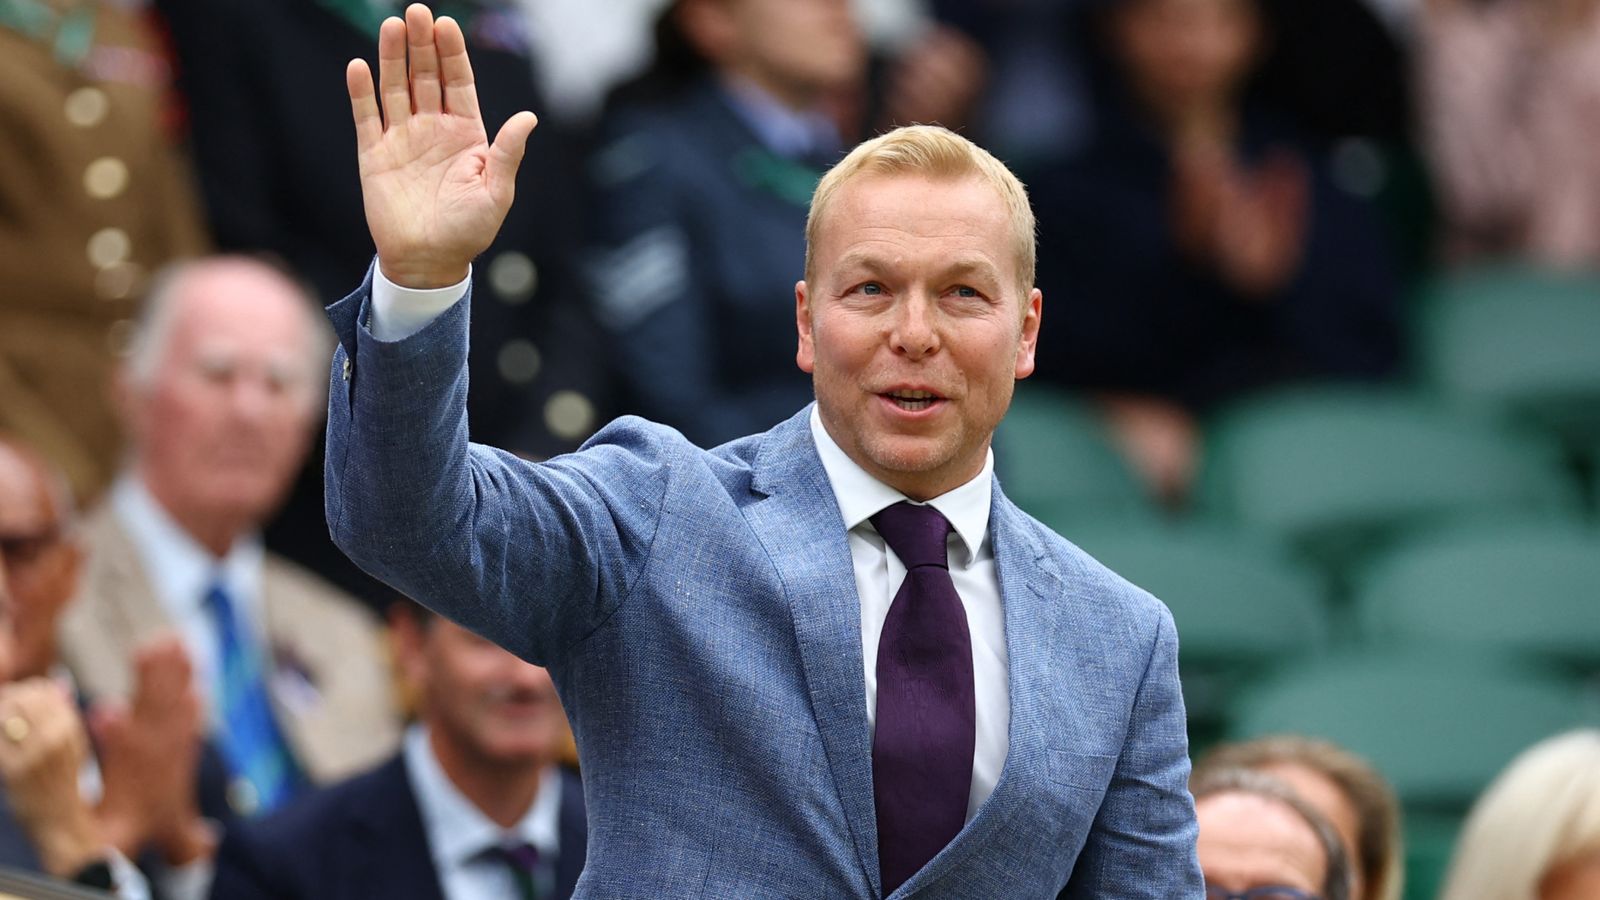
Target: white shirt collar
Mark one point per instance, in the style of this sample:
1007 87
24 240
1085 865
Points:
862 496
179 569
457 830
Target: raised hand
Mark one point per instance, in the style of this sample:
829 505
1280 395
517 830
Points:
149 753
434 188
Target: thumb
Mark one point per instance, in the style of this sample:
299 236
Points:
506 153
107 719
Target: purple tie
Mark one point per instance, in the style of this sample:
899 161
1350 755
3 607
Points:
922 750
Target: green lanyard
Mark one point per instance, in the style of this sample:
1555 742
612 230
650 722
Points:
366 15
786 179
70 34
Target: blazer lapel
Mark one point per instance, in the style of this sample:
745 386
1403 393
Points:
394 859
1031 592
802 530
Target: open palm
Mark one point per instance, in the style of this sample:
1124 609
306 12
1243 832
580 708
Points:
434 188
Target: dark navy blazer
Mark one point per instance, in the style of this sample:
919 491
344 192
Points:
361 838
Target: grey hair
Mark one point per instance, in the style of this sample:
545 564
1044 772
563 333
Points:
152 329
1336 883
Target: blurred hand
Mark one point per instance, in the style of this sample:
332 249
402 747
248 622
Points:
435 190
1159 439
149 753
1248 225
936 80
42 747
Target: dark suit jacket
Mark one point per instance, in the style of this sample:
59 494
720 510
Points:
361 838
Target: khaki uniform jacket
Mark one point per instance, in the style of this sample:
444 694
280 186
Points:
346 724
93 198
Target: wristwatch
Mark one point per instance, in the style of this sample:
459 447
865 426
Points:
96 875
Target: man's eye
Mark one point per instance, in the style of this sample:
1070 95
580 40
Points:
872 287
965 291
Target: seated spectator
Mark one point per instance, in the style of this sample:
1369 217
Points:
474 807
1535 833
1259 840
1350 794
221 393
47 824
700 197
146 754
94 197
1197 249
1510 103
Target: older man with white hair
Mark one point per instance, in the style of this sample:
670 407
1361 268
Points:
220 395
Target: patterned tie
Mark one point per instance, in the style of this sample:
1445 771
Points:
522 860
251 743
922 750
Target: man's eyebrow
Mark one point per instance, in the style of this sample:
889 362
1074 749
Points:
971 266
975 267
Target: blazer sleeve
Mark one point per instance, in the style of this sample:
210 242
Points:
1143 840
533 556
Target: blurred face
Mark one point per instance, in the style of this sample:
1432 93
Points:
491 707
224 422
7 652
915 330
1248 841
41 561
1322 793
1179 52
797 49
1577 880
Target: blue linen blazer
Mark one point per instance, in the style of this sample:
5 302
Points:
697 610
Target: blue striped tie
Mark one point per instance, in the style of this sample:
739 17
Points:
251 743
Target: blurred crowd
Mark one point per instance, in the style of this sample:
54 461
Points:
1235 197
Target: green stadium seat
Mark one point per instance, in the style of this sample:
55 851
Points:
1340 471
1240 604
1430 840
1517 339
1532 591
1438 725
1055 459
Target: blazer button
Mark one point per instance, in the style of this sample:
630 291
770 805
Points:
347 368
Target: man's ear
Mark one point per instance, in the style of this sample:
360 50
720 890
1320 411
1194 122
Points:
1029 342
407 636
805 356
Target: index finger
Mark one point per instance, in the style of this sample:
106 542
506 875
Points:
455 69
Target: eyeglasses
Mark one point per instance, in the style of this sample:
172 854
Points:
1269 892
21 549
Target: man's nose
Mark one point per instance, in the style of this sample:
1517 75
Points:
916 332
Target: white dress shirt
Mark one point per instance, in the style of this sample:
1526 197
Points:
879 573
458 833
399 312
180 572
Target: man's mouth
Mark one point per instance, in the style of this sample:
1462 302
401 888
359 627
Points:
913 401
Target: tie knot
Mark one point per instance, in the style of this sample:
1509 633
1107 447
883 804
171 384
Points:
521 857
916 534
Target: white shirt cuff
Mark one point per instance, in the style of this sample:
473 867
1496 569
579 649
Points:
399 312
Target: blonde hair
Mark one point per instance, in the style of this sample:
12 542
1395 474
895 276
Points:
1542 812
932 152
1379 854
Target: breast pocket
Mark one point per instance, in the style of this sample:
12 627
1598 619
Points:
1087 772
